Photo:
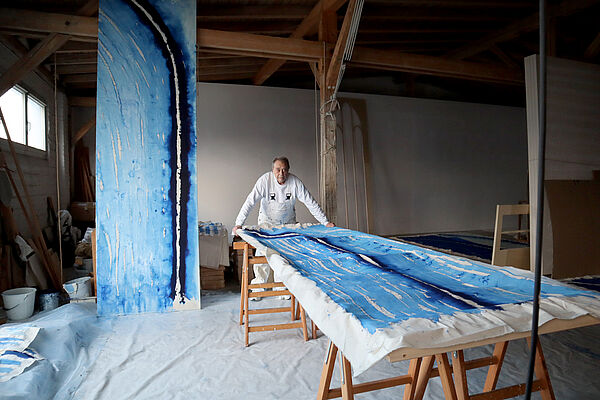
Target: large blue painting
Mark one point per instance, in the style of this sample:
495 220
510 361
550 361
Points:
146 211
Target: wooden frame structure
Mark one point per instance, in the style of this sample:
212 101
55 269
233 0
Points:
516 257
246 293
453 376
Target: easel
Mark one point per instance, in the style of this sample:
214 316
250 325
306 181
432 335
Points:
246 293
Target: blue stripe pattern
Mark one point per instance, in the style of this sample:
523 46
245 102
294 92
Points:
381 281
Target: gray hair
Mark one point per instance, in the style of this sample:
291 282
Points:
283 160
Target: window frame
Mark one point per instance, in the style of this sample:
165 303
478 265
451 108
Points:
26 147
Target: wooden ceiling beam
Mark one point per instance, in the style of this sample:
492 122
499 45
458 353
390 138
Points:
594 48
428 65
76 58
20 50
505 58
465 4
78 101
76 69
39 53
308 26
259 45
83 130
37 21
340 46
247 12
79 78
516 29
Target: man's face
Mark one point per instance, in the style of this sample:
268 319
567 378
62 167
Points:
281 171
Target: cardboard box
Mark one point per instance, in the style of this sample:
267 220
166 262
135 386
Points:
83 211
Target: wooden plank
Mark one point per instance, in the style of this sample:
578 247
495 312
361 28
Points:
308 26
261 45
494 370
275 327
518 28
83 130
48 22
507 392
270 294
76 69
40 52
30 61
271 310
594 48
346 376
327 373
429 65
555 325
460 375
340 46
446 376
20 50
75 101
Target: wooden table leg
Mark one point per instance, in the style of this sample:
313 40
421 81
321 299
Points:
413 372
494 371
293 307
423 376
303 317
460 375
313 329
327 373
446 376
541 372
244 283
347 389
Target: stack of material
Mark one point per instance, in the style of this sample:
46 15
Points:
85 185
211 279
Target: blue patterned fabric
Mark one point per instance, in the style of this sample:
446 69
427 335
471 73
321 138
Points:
382 282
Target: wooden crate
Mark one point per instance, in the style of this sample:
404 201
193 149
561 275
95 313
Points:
212 279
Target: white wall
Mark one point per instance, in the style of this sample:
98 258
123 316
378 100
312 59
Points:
240 130
434 165
39 168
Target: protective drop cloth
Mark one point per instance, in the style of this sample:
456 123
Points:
201 355
372 295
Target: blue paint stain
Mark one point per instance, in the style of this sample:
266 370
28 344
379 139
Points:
136 158
381 281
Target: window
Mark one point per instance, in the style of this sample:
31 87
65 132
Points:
25 118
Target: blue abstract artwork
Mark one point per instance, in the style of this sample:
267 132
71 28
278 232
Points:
146 209
382 282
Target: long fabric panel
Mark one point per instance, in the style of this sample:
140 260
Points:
381 294
147 238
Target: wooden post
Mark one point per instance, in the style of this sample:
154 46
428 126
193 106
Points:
328 156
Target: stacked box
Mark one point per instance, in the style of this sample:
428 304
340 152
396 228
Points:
211 279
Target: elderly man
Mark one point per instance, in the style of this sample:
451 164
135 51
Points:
277 191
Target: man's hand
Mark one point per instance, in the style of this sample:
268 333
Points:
330 225
234 230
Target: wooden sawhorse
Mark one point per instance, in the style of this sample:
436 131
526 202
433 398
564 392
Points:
453 376
246 293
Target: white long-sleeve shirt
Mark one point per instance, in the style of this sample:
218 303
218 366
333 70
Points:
278 201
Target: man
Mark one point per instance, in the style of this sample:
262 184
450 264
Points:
277 191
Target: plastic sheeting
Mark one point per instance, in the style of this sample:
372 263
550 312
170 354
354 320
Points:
200 355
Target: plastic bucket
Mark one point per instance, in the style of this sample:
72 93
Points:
19 302
48 300
79 288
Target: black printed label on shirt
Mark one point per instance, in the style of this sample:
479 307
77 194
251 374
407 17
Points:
288 196
271 196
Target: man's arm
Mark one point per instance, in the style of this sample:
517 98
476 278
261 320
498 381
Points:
305 197
253 197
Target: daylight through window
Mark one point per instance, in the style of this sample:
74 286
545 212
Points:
25 118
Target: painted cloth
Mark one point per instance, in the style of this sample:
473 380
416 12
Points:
15 356
372 295
278 201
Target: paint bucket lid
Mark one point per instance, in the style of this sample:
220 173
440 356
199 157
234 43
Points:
19 302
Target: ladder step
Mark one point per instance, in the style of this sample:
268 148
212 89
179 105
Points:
263 328
265 285
270 310
271 293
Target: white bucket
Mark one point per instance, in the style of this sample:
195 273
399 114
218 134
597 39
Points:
79 288
19 302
